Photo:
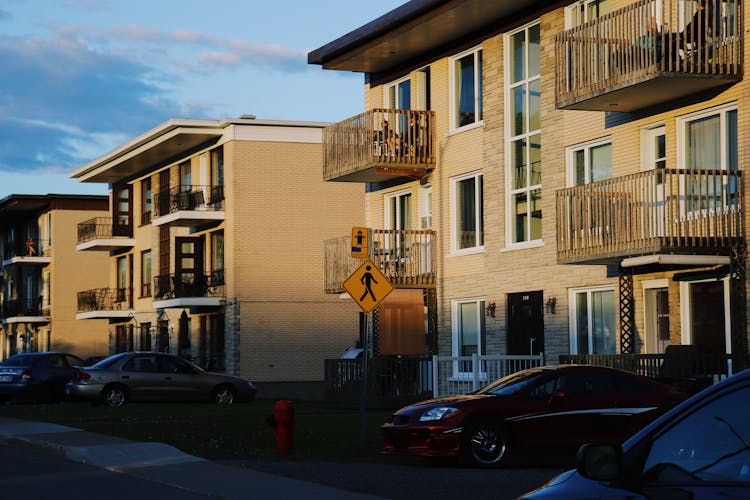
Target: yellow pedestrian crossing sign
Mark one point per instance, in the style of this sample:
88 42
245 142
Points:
367 286
360 242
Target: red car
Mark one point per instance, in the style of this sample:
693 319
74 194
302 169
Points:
552 406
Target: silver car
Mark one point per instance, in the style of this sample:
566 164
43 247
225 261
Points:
154 376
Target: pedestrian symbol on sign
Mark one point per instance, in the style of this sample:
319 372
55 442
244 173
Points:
367 286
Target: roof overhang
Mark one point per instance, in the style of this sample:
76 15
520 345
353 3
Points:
422 30
670 259
156 147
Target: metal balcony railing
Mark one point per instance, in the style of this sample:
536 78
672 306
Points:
188 285
392 140
645 40
17 307
102 228
26 246
187 198
675 210
105 299
407 257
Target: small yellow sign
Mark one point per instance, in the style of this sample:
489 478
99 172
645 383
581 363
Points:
367 286
360 242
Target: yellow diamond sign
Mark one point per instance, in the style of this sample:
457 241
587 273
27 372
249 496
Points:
367 286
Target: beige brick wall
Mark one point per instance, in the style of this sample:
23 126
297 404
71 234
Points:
282 211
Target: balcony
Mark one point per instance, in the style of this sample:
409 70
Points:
407 257
102 234
189 290
189 206
645 54
32 251
675 211
380 145
24 311
105 303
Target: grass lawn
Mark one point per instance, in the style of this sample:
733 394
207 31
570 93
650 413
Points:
239 431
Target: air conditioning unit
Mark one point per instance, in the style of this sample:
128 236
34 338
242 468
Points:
426 222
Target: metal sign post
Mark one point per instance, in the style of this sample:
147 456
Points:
363 395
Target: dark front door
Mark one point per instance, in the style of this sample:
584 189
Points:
525 323
189 278
122 210
708 324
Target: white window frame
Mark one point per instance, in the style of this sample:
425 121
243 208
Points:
648 153
425 206
395 85
649 336
682 122
573 326
459 374
478 196
510 211
586 147
388 212
572 13
453 98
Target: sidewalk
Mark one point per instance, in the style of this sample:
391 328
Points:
162 463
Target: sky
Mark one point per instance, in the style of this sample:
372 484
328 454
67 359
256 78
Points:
81 77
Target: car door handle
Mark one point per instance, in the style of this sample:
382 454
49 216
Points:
125 377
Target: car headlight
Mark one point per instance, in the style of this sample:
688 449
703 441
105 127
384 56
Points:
437 413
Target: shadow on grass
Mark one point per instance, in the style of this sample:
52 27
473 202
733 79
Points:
239 431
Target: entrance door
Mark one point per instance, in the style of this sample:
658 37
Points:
708 326
122 210
525 323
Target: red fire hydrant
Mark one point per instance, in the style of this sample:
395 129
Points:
283 420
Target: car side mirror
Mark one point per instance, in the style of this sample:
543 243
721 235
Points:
600 462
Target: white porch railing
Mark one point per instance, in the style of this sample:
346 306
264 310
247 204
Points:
452 375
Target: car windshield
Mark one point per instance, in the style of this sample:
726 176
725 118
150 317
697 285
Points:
107 362
512 384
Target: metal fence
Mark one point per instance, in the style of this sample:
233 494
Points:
464 374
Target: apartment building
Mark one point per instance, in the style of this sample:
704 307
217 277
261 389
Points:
40 273
579 164
213 242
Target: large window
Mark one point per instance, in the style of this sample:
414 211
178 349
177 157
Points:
583 11
708 142
146 273
186 176
217 258
122 279
590 162
398 94
592 321
217 174
398 210
468 327
146 201
466 94
467 209
523 92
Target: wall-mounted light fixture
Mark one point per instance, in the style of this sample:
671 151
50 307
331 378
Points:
491 309
550 305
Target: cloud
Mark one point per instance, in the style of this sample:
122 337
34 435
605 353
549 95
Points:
67 103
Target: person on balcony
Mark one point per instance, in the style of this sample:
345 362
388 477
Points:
30 247
704 27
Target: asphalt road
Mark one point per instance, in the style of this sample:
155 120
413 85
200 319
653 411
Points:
408 481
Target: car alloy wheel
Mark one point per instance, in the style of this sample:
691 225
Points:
485 443
115 397
224 396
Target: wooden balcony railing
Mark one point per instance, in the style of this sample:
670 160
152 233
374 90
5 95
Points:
648 39
407 257
105 299
380 144
675 210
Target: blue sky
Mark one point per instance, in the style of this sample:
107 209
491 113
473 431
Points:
81 77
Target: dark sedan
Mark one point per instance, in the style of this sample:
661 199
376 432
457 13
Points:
39 375
152 376
553 406
701 449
